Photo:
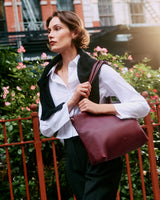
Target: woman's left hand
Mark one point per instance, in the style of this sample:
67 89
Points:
86 105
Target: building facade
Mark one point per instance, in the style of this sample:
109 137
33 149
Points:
22 22
24 15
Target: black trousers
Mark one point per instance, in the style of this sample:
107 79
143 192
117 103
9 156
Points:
91 182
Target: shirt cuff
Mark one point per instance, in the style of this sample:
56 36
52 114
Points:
55 122
132 110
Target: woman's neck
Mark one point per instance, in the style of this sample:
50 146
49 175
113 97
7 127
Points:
68 56
62 67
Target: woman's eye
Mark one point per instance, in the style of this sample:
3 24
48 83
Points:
57 28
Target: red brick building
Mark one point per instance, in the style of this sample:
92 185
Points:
22 15
121 26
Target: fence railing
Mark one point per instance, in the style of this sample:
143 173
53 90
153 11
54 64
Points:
37 141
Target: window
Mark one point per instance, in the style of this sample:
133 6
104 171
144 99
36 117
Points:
65 5
2 17
32 19
105 12
137 13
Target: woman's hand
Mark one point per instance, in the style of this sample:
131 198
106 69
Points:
86 105
82 91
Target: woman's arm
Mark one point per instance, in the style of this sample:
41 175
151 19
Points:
132 104
86 105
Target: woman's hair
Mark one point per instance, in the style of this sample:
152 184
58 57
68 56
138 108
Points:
74 23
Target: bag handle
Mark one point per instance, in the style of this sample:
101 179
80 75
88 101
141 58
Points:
95 69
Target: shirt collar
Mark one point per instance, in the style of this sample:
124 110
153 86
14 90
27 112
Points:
74 61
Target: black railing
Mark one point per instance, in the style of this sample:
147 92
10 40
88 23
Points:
39 37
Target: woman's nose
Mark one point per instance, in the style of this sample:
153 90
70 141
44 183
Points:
51 34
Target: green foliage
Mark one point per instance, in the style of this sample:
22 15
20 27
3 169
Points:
19 87
19 90
141 76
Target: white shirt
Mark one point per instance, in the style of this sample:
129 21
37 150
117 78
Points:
132 105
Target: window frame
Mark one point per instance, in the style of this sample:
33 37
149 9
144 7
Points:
106 15
137 14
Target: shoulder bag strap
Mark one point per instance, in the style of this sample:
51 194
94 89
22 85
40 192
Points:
94 71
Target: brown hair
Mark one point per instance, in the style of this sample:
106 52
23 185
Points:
74 24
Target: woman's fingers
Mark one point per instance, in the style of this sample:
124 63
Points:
86 105
82 90
85 89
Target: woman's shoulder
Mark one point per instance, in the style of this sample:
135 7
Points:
109 74
107 68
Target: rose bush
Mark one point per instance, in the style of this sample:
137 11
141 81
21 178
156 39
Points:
19 88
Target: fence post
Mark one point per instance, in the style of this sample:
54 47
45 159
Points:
129 176
158 114
141 173
152 158
38 145
8 160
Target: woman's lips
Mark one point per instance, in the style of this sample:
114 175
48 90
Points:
52 42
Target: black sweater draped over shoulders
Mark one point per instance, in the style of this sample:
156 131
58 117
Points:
84 68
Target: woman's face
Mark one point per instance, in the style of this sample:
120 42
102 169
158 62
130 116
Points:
60 37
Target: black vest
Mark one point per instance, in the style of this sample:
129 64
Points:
85 65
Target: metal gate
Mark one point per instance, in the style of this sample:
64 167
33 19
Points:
37 141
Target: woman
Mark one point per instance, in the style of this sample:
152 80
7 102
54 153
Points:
63 83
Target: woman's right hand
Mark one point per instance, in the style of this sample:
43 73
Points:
82 90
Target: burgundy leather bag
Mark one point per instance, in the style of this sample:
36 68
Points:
106 137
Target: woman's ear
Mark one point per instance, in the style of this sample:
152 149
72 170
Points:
74 35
